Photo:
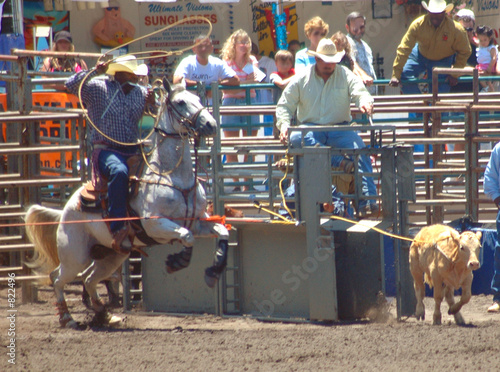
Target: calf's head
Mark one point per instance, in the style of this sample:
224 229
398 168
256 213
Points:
470 248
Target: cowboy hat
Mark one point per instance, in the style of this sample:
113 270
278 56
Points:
127 64
437 6
327 51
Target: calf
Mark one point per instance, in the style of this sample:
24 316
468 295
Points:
446 259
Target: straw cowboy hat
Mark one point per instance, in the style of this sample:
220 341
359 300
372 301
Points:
127 64
327 51
437 6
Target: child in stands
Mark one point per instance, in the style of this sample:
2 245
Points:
486 56
284 63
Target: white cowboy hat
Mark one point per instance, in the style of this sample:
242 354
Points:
127 64
327 51
437 6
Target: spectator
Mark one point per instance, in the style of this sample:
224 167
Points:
205 68
293 47
63 42
342 43
236 53
486 56
467 19
265 96
315 29
322 95
360 51
492 189
439 39
284 64
115 107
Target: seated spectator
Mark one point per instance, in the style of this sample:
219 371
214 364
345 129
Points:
284 63
205 68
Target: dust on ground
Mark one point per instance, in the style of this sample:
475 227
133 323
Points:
148 342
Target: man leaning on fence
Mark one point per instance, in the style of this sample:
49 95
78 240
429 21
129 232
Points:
322 96
441 42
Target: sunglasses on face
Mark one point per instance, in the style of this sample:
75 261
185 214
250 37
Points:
466 19
112 8
317 33
469 29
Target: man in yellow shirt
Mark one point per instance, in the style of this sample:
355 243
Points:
442 42
321 95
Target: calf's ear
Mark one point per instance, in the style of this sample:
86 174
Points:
479 234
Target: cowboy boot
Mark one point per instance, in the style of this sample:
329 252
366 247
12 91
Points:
118 238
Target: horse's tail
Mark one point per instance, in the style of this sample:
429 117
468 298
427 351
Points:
41 228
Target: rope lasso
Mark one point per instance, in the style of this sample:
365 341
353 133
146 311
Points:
157 54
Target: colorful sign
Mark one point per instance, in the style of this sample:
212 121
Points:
156 16
35 15
264 26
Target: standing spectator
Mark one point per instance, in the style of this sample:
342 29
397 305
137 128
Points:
63 42
205 68
284 63
115 107
440 40
492 189
342 44
467 19
486 56
265 96
360 51
236 53
322 96
293 47
315 30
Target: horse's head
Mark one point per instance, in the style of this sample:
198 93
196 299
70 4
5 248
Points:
187 112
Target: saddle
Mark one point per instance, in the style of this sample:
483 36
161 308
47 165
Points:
95 200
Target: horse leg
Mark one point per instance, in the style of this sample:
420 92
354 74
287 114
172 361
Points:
212 273
113 297
95 273
63 277
179 261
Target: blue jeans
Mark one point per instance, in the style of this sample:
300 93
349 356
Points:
113 166
341 140
495 282
418 64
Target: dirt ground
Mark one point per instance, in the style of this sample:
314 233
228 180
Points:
200 343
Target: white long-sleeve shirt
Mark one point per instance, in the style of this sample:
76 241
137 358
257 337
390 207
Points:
492 174
319 102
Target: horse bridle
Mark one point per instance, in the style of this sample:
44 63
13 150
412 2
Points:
188 123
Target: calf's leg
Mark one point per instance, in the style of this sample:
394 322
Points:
450 299
418 284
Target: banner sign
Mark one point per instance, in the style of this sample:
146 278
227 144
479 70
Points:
264 26
155 16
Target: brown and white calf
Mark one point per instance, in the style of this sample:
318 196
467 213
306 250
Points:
446 260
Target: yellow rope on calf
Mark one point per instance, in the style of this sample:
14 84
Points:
372 228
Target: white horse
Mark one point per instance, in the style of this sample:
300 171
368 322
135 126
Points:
170 199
